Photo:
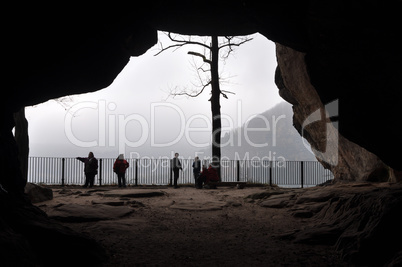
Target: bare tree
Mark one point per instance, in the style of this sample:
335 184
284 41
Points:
218 48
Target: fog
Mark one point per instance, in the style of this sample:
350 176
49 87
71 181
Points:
136 116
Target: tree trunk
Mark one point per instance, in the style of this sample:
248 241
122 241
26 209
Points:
22 140
215 106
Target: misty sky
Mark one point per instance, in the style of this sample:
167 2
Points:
139 98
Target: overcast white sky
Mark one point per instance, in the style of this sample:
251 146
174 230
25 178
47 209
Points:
139 97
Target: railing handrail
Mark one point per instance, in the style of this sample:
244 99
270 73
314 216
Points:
68 170
181 158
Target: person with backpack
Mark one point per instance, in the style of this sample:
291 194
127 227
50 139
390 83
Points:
119 167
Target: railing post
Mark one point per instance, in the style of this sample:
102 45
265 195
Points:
171 173
136 172
62 171
100 172
302 173
238 170
270 173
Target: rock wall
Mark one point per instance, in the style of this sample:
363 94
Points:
351 52
317 121
360 220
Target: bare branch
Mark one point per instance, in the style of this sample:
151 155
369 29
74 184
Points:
228 92
201 82
187 42
201 56
180 43
170 47
230 44
199 68
202 79
184 92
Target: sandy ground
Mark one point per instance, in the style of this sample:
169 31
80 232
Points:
187 227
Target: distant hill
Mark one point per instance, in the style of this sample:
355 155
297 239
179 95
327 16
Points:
269 136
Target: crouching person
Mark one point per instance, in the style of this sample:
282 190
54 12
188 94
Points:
207 176
202 177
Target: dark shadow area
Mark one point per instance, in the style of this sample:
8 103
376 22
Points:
342 51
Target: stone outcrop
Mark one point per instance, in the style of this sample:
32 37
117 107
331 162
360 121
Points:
360 219
313 120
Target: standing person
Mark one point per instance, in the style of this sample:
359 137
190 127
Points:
176 166
90 169
119 167
196 169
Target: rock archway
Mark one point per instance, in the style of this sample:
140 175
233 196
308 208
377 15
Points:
350 52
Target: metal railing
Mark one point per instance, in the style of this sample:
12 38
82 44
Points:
146 171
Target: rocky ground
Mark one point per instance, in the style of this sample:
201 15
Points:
162 226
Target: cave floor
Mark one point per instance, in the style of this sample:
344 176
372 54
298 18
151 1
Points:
162 226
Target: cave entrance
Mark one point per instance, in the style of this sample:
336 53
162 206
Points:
136 114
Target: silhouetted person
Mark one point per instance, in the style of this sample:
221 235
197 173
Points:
176 166
90 169
207 176
212 175
119 167
202 177
196 169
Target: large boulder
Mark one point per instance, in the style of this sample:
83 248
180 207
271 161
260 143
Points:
37 193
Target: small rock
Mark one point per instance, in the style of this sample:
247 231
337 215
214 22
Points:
275 203
66 191
240 186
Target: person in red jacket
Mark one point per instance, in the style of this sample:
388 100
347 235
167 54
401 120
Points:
119 167
207 176
212 175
